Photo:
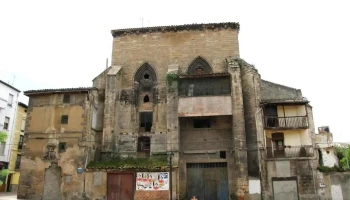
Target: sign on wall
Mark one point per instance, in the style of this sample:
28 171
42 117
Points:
152 181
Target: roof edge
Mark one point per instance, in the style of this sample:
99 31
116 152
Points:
280 85
233 25
59 90
23 105
10 86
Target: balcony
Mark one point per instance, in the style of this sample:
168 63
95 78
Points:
292 122
290 151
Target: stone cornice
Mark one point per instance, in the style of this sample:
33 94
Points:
225 25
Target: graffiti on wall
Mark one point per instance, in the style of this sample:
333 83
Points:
152 181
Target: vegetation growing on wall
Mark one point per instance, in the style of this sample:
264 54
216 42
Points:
326 169
131 163
343 154
170 77
4 172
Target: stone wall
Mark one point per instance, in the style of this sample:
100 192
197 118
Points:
161 49
300 173
276 91
54 151
333 186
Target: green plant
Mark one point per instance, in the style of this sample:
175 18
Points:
132 163
326 169
343 154
170 77
4 172
3 136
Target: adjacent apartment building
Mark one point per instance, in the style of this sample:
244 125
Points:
176 92
8 108
16 147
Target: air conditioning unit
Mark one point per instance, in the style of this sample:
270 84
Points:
1 124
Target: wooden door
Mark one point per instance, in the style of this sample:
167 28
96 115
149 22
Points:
120 186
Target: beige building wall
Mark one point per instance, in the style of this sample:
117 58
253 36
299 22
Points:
15 152
291 111
44 128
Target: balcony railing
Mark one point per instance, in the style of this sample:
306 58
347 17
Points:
297 122
290 151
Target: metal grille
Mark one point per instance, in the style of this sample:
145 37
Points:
206 165
205 86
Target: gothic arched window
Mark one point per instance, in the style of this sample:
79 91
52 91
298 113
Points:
199 66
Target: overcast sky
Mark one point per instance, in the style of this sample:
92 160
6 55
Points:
302 44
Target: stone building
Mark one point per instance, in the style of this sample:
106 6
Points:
179 92
326 148
56 144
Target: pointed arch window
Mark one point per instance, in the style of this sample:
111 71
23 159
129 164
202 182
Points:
199 66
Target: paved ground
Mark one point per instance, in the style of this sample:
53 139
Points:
8 196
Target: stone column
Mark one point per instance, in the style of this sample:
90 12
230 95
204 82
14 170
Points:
251 99
173 137
239 170
113 84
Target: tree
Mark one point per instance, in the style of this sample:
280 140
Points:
343 154
3 172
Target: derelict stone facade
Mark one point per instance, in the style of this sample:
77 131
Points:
174 89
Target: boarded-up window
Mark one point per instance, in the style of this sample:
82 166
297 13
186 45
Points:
66 98
144 146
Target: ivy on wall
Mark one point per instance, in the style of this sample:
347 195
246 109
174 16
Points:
170 78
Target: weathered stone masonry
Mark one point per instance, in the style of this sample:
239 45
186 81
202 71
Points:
173 89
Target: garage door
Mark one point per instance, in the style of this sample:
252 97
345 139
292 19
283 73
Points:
207 181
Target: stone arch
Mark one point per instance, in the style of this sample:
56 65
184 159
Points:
145 84
199 66
147 73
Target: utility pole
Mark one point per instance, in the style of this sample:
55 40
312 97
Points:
170 154
346 156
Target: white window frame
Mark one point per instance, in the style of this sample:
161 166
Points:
10 100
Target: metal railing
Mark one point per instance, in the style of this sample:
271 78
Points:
290 151
286 122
